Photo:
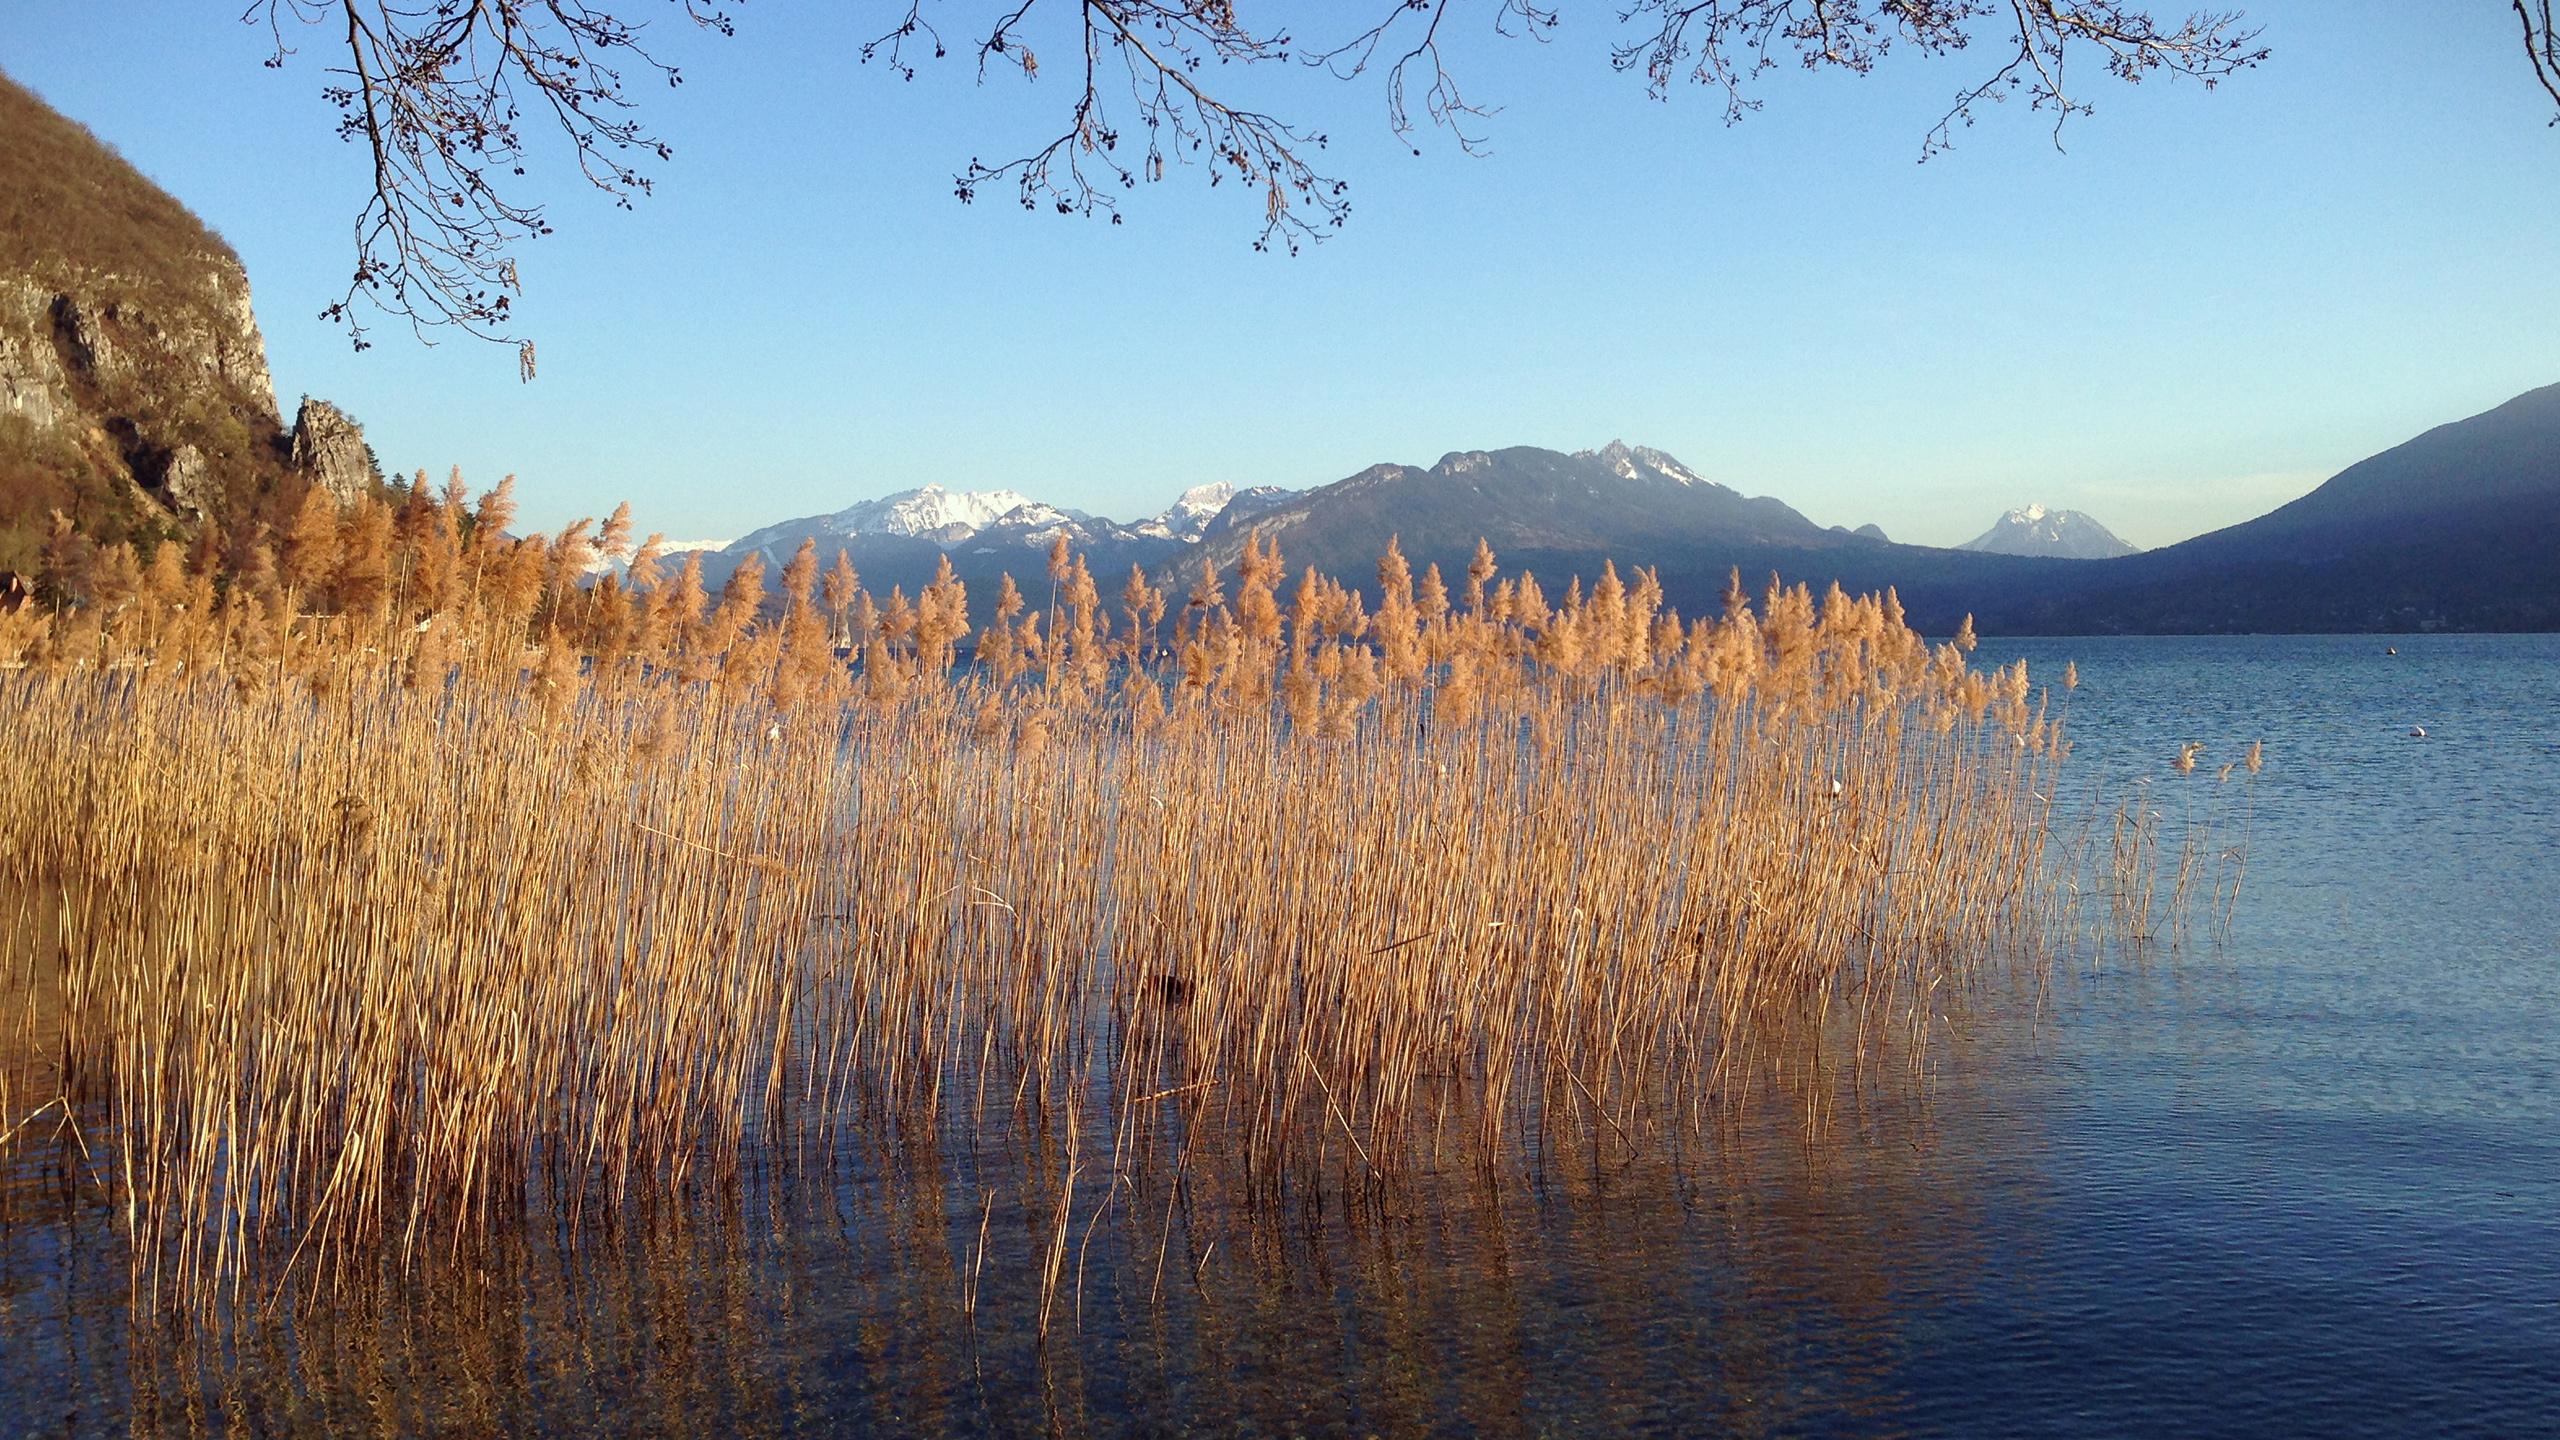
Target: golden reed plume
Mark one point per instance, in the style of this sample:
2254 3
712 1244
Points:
373 876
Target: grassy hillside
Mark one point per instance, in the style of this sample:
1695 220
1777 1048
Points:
72 210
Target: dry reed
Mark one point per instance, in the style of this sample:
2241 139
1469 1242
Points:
368 921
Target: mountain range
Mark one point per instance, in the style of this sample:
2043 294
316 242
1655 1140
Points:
997 521
2457 529
901 539
1566 511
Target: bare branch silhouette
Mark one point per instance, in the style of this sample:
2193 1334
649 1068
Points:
2542 46
1725 44
451 98
1156 51
439 93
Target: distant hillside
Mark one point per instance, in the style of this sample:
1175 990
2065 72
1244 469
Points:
2458 529
2062 534
134 393
1592 502
1561 516
2511 453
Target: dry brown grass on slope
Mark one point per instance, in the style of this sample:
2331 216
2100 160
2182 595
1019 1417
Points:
73 210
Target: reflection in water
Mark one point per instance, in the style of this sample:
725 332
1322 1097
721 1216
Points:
1739 1275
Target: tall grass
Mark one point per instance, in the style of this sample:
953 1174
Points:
482 883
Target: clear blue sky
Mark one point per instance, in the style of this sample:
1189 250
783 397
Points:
2203 308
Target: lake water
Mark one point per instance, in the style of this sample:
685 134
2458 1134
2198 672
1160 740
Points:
2303 1180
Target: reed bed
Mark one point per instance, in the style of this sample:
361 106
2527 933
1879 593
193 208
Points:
392 872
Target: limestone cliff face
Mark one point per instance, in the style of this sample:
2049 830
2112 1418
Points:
134 391
165 396
329 451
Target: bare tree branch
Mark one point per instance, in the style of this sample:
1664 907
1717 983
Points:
1443 104
2542 46
450 97
438 91
1155 51
1725 44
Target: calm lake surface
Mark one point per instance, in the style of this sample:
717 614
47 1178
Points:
2305 1179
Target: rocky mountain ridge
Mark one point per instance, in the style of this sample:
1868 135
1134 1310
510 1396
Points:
1191 512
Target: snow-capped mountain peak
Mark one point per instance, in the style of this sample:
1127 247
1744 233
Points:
671 555
928 510
1190 512
1638 462
984 521
2036 530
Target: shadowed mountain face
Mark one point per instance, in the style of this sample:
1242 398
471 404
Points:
2458 529
1561 516
1609 502
2511 453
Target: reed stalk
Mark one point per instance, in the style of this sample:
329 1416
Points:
487 884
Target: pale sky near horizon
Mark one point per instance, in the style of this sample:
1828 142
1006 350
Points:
2202 307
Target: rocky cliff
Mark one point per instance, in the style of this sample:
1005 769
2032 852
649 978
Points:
134 393
329 451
